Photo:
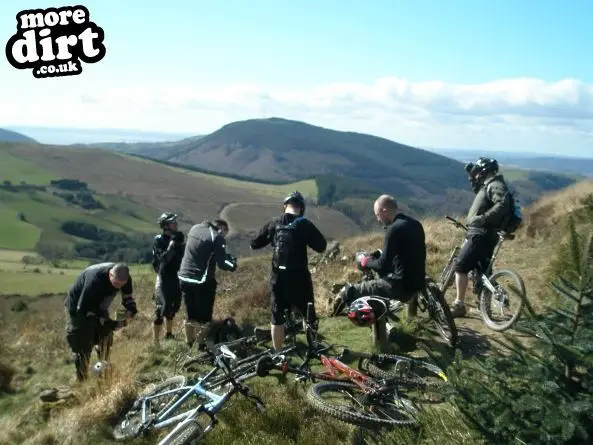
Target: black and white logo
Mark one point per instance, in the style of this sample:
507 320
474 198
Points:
54 41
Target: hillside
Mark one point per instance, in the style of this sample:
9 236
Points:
33 337
131 193
275 150
13 136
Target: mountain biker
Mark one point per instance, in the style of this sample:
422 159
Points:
204 249
486 215
290 279
167 253
401 264
87 311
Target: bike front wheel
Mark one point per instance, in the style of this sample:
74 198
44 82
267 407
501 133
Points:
440 313
500 310
347 402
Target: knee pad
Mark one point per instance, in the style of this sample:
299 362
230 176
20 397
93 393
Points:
158 320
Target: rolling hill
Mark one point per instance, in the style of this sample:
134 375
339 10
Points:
131 192
351 168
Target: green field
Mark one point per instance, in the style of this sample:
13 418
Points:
16 234
16 277
44 214
307 187
15 169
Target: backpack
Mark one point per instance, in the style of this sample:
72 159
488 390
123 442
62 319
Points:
284 244
515 218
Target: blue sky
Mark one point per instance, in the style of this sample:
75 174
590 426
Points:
298 50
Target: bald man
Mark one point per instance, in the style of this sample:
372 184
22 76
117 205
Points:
401 265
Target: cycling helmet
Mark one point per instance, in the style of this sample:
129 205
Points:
296 197
481 167
365 311
167 218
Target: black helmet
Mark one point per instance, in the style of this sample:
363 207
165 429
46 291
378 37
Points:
481 168
296 197
166 219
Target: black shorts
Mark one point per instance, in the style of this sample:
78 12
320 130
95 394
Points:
476 252
167 298
199 300
289 289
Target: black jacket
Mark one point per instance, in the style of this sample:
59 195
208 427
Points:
403 256
166 258
204 249
93 292
306 234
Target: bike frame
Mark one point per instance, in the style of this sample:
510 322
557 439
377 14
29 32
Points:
481 275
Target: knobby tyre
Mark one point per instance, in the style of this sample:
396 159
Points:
440 313
363 410
189 434
129 424
488 301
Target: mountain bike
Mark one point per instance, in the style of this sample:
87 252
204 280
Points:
373 402
493 298
293 326
161 407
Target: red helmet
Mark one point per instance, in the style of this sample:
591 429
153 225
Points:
364 311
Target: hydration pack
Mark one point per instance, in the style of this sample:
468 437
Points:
284 244
515 218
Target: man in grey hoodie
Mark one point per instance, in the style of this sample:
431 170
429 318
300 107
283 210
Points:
205 248
488 213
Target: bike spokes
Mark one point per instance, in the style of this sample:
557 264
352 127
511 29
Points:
502 307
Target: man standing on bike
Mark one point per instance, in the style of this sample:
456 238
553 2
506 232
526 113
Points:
486 215
290 279
401 264
204 249
167 253
87 311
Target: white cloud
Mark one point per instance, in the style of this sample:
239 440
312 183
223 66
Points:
521 114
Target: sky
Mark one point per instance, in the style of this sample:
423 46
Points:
492 75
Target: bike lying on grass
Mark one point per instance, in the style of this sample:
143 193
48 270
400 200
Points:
429 300
161 407
493 298
368 401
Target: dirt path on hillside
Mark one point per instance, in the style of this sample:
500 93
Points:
224 213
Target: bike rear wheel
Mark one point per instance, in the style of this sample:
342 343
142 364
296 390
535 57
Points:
421 381
130 423
493 307
347 402
440 313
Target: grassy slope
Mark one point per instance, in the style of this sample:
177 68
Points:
35 338
122 182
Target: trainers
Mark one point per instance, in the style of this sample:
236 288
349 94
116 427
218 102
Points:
459 310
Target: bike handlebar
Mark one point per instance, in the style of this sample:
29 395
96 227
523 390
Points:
456 223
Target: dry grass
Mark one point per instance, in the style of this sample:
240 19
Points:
34 345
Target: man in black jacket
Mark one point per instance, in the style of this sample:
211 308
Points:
167 253
87 311
205 248
488 212
401 264
290 279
